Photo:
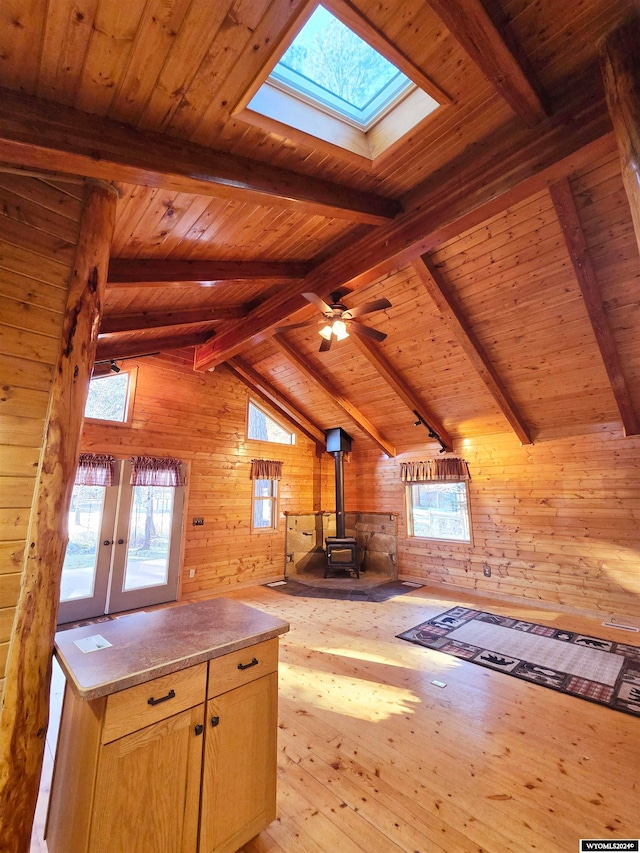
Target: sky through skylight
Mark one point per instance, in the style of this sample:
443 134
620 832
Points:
330 64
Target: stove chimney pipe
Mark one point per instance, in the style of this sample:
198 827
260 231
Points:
338 443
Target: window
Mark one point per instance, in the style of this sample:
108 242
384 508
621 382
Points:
261 427
110 397
332 85
124 537
439 510
265 505
328 65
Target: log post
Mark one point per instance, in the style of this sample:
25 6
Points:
25 708
620 62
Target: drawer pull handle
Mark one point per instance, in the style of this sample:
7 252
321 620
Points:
214 722
170 695
254 662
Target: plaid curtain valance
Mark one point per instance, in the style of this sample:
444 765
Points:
266 469
155 471
96 469
434 469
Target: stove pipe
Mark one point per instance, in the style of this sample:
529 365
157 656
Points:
339 443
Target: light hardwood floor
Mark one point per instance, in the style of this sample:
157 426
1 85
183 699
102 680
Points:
374 757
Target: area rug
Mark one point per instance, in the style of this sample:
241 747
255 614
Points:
599 670
382 592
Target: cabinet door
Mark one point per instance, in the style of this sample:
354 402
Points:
239 777
147 789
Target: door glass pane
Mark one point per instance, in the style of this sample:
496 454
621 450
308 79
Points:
149 537
85 517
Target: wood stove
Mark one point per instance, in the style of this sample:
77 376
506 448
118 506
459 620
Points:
341 553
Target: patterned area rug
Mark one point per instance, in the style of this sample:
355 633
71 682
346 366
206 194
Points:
599 670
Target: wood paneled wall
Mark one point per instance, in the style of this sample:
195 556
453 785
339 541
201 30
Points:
201 418
556 521
39 222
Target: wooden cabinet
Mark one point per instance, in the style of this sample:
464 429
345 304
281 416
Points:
239 774
184 763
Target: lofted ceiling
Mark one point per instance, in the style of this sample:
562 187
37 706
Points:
468 225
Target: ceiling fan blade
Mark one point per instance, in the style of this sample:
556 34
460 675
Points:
367 308
279 329
365 331
326 344
319 303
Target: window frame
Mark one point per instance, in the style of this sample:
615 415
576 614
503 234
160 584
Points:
409 507
286 428
275 508
132 374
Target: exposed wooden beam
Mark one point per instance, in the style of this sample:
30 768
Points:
41 135
470 24
110 348
433 283
466 195
116 323
375 356
25 702
574 238
124 272
620 60
261 386
356 416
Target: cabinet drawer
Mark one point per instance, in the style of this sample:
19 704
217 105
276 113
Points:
139 706
241 667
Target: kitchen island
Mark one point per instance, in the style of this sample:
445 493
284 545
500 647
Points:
167 739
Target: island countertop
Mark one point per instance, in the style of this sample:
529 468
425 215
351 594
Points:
148 644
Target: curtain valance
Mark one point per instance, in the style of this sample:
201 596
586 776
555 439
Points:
156 471
266 469
96 469
434 469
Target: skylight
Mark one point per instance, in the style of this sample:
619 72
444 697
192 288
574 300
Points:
334 68
332 89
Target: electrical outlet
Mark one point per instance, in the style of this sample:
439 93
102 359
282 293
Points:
198 522
192 573
486 571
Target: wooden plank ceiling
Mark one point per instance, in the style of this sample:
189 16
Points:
463 226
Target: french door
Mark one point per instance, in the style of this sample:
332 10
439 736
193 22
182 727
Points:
124 548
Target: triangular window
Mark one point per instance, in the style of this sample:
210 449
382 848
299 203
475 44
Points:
331 84
261 427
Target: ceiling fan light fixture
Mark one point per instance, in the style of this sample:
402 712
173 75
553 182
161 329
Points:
325 332
339 330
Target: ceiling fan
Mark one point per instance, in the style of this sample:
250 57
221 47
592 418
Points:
339 320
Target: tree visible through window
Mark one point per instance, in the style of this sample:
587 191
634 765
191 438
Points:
439 510
265 504
263 428
109 397
334 67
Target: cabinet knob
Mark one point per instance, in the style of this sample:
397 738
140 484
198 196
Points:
108 542
198 729
214 722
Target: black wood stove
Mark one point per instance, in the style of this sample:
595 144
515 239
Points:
341 551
